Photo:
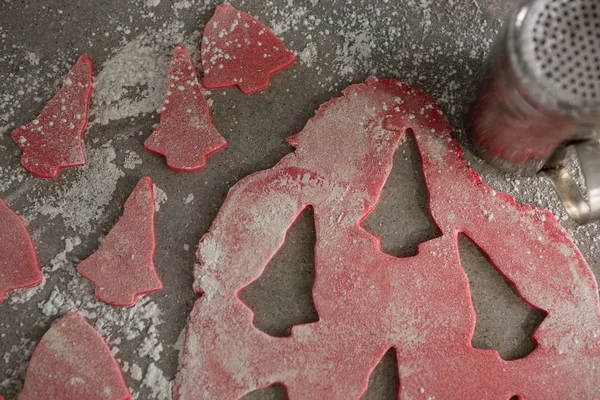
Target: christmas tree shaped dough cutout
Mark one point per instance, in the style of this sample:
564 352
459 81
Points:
237 50
123 267
54 140
186 135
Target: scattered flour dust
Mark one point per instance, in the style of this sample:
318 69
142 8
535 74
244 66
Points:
151 345
308 56
132 160
182 5
131 82
136 372
10 175
81 202
21 296
157 383
160 197
32 58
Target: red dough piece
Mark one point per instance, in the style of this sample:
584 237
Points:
54 140
186 135
239 50
19 266
369 301
123 267
72 362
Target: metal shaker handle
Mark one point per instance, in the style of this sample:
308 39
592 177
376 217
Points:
577 207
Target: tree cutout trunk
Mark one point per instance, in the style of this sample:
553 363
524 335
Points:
504 322
401 218
282 296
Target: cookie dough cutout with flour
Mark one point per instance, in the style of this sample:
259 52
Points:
368 301
19 267
123 268
54 140
72 362
185 136
237 50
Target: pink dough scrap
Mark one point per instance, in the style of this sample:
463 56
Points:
72 362
123 267
237 50
19 266
369 301
186 135
54 140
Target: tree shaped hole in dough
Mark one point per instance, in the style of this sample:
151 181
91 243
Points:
54 140
287 281
403 222
237 50
369 301
503 321
19 266
123 267
72 362
186 135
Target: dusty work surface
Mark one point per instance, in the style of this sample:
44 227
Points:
435 46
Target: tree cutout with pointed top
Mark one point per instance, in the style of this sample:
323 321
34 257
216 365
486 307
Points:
54 140
123 267
401 219
19 266
185 136
237 50
287 281
72 362
503 321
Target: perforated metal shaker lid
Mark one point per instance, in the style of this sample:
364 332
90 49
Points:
559 44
